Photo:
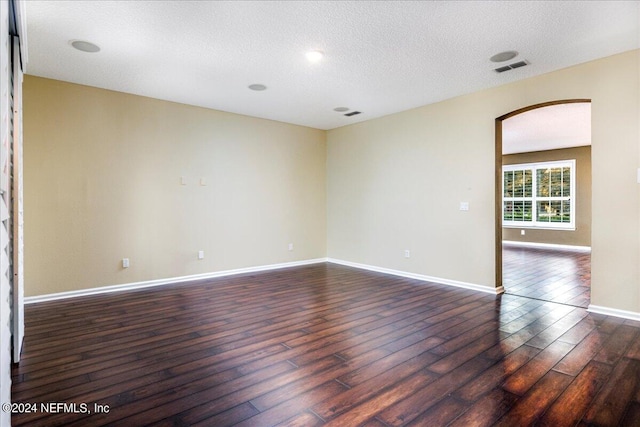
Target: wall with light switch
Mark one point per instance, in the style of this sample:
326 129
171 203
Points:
397 182
122 189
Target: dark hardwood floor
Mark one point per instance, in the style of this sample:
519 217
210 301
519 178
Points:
561 276
325 345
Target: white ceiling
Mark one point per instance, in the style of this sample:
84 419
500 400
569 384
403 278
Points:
381 57
548 128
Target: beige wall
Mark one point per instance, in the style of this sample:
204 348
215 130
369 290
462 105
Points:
396 182
102 182
581 236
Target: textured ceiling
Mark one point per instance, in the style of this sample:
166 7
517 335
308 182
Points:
548 128
381 57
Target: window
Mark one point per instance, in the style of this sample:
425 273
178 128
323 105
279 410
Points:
539 195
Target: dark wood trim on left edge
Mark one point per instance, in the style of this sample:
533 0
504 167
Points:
498 198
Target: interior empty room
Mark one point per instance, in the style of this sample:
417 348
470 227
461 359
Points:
319 213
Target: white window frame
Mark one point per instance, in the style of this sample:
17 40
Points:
534 223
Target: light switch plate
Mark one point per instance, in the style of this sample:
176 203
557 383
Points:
464 206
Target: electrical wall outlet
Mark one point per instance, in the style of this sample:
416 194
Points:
125 262
464 206
290 246
200 254
183 180
407 253
522 232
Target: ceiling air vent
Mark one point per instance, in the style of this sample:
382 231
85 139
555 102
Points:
511 66
518 64
353 113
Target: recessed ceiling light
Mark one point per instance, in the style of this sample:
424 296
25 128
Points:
85 46
341 109
504 56
314 55
257 87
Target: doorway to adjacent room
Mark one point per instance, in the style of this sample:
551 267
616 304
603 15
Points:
543 202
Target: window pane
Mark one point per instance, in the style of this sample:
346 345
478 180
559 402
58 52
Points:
566 182
555 214
555 182
508 184
527 211
528 183
566 211
518 184
544 211
517 211
542 177
507 211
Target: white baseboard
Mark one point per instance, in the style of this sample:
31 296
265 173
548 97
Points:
632 315
465 285
584 249
168 281
160 282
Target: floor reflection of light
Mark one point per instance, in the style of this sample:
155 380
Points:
548 274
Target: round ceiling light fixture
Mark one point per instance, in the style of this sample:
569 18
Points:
84 46
341 109
504 56
314 55
257 87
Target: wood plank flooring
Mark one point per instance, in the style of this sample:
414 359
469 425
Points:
325 345
562 276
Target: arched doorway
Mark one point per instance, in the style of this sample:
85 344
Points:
533 182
